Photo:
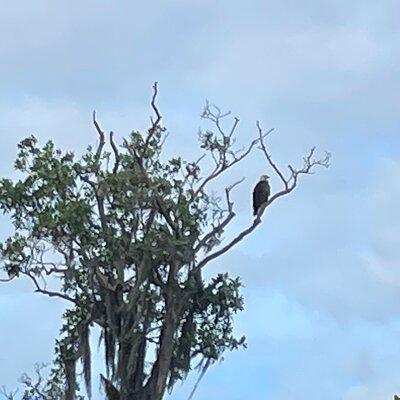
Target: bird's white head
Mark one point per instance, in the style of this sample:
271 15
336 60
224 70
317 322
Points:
264 178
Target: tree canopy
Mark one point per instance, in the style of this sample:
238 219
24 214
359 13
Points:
123 236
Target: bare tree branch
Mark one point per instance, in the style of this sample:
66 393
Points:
153 105
217 117
290 183
164 139
220 227
8 395
116 153
44 291
306 170
268 157
228 191
222 164
232 243
7 279
37 387
155 123
101 135
235 123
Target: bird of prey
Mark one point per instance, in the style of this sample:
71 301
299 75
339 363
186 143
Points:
260 194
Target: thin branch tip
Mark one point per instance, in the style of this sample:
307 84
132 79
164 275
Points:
155 109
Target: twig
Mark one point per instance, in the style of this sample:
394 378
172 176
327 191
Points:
222 164
291 183
228 191
268 157
234 127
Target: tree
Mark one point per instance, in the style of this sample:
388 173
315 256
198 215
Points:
127 235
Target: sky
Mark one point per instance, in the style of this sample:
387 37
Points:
322 272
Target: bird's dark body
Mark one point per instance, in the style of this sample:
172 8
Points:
260 195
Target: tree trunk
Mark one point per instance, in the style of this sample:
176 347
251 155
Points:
156 385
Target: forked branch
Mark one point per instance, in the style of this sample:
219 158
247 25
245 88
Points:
217 230
226 157
290 182
154 123
8 395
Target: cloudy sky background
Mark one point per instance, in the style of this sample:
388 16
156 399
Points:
322 272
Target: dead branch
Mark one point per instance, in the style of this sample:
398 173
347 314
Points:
156 122
116 153
153 105
267 156
216 117
228 191
309 163
101 136
222 164
291 182
232 243
220 227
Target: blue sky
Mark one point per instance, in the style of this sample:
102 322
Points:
321 275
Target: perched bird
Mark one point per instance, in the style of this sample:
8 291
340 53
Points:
260 194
